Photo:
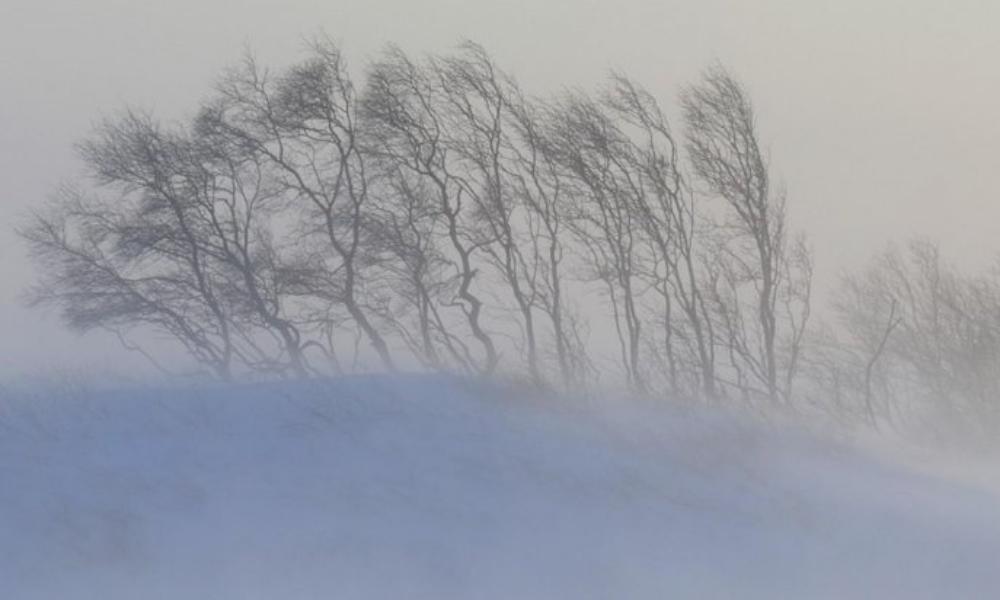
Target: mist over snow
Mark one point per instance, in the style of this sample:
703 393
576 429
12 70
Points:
432 487
435 299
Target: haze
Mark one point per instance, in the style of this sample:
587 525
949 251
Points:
878 115
414 328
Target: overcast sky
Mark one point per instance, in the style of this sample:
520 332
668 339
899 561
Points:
880 115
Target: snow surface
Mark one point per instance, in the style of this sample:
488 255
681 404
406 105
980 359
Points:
427 487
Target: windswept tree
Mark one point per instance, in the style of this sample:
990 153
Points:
540 188
437 212
595 155
175 238
412 124
305 125
479 98
664 209
922 332
753 257
406 221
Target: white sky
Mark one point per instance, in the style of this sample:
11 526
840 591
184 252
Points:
880 114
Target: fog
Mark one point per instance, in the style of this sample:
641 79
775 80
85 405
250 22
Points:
421 488
876 115
546 299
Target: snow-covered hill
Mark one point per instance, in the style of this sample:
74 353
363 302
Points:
417 487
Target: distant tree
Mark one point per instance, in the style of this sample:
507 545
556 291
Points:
928 333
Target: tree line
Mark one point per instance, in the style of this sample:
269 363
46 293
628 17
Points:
431 213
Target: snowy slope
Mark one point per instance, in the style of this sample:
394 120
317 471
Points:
414 487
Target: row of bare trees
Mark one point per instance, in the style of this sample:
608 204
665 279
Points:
438 215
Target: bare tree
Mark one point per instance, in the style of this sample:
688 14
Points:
443 213
891 323
538 183
937 345
480 98
593 151
407 112
406 220
177 248
725 154
305 124
664 208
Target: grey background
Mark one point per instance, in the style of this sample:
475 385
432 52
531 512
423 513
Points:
881 115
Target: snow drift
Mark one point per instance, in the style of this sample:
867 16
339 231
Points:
427 487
